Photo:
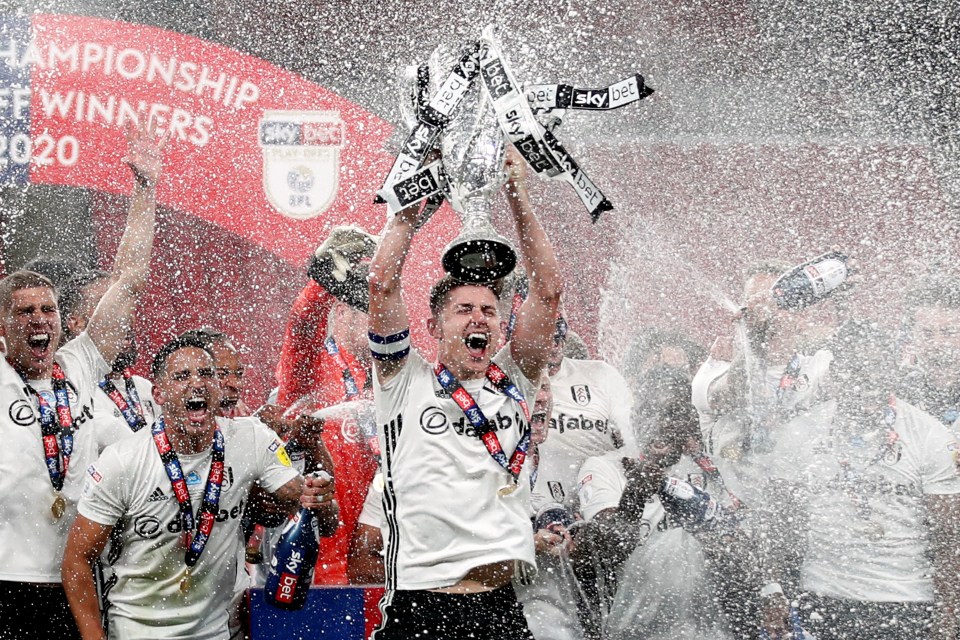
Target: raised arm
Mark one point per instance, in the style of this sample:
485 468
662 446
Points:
113 317
84 545
388 313
303 343
533 336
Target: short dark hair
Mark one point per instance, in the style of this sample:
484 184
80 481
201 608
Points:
440 292
171 347
19 280
57 270
207 335
71 294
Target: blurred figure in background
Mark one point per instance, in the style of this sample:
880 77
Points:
930 356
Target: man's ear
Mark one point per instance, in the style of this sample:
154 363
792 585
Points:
158 395
433 328
75 325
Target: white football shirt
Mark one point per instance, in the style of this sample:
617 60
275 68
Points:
128 487
31 539
881 553
443 512
591 415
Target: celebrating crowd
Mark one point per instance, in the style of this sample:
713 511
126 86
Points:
799 479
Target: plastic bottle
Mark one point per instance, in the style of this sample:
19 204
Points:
810 281
291 568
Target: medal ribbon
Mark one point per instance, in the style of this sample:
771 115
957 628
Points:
519 295
760 433
207 514
486 430
56 427
365 418
851 475
132 411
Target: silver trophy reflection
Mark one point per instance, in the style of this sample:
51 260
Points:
473 149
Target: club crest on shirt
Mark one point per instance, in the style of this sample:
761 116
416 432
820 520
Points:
556 490
581 394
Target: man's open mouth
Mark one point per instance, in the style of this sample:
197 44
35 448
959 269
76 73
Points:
196 409
476 344
39 343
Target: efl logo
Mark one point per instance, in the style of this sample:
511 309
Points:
301 160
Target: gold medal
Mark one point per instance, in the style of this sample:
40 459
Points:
59 506
253 555
507 490
185 581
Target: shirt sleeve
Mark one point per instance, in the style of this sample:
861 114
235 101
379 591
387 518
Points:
104 498
372 512
941 459
621 405
599 487
82 362
274 466
303 343
706 375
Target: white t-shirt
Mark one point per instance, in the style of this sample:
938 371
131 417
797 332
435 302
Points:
128 487
443 512
31 539
110 422
663 588
882 557
802 406
591 415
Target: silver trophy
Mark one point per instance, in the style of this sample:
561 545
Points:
473 149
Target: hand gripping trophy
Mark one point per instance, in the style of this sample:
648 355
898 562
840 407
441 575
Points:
466 106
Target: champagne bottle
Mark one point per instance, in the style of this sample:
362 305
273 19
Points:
291 568
692 508
814 279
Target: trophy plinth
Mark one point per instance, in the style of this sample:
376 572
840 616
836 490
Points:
479 253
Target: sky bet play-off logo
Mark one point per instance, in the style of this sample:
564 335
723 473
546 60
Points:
301 160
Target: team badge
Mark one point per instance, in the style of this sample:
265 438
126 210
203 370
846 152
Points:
556 490
301 160
581 394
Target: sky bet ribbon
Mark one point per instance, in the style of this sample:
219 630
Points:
207 516
408 183
56 434
365 418
486 430
131 411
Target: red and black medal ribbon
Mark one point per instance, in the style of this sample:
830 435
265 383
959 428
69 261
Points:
132 411
56 427
207 514
486 430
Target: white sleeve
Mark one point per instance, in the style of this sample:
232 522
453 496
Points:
599 486
82 362
622 403
504 359
940 474
103 499
372 512
274 468
708 373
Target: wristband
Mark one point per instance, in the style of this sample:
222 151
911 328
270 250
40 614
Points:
771 589
393 347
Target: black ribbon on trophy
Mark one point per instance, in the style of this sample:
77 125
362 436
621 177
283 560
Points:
468 105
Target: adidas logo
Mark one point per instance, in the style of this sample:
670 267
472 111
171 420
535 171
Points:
157 496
